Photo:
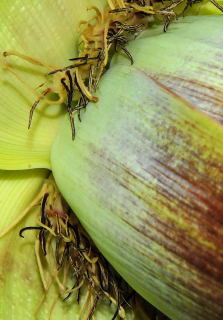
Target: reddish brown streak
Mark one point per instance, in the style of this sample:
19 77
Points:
190 88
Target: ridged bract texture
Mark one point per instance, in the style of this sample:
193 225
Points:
47 31
145 173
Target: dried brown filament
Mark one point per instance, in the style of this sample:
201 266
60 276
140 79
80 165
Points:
113 28
62 240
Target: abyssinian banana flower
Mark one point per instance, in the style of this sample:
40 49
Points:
144 174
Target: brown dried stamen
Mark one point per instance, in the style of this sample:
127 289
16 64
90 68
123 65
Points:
63 240
113 28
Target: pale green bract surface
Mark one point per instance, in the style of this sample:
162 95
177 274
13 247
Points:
193 69
144 174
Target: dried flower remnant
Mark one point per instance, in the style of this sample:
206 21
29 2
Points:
190 3
217 5
106 33
70 254
64 249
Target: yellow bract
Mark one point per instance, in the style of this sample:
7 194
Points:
47 31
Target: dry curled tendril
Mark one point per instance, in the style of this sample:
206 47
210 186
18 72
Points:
106 33
71 256
67 256
65 251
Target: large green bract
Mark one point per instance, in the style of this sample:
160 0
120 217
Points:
144 174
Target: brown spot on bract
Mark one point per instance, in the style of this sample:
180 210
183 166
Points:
6 263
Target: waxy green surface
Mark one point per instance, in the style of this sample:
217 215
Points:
144 174
188 60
